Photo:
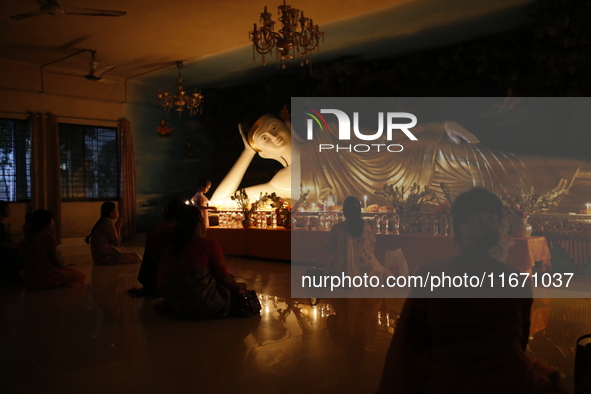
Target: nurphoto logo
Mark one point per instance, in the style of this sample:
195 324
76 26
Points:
344 133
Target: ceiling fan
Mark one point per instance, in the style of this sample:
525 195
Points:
92 75
51 7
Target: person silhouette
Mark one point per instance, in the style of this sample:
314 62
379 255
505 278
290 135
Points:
200 201
105 238
454 342
192 278
158 239
43 268
352 243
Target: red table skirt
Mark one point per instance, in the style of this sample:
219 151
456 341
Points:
254 242
310 246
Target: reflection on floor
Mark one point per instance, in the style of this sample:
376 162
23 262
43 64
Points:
97 339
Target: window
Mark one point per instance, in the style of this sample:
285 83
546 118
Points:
89 164
15 160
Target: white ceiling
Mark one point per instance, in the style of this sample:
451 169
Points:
155 33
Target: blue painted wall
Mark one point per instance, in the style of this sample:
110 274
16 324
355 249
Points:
167 167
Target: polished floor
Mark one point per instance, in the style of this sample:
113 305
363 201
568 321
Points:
97 339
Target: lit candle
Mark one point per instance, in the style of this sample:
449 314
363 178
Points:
365 202
188 202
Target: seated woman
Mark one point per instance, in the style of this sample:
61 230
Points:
10 261
462 342
192 277
157 240
105 239
43 268
353 242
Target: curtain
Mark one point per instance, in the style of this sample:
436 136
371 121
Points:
127 203
45 167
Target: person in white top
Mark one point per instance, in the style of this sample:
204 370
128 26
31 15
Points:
201 201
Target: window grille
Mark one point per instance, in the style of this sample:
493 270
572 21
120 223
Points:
15 160
89 163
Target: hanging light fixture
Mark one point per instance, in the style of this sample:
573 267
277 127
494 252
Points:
181 99
297 34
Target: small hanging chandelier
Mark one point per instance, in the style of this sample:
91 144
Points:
298 34
181 98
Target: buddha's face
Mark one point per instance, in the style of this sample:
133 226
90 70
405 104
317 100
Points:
273 138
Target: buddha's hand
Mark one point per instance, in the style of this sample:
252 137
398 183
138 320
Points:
245 139
456 133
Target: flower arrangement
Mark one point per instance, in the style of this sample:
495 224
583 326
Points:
443 207
405 200
301 201
281 206
526 201
243 202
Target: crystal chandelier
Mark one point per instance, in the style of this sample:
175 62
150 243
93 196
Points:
181 98
297 34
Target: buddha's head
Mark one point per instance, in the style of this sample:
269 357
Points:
271 138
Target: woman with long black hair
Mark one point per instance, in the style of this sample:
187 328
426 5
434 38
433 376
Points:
353 243
193 279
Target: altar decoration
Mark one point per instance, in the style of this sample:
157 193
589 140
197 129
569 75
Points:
281 207
301 201
298 205
526 201
279 204
374 208
248 209
443 208
406 200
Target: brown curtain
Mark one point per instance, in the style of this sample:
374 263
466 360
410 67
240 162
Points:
127 207
45 167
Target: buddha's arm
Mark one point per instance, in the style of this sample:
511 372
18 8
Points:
280 185
232 180
453 130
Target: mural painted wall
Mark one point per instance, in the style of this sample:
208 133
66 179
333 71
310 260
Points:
167 167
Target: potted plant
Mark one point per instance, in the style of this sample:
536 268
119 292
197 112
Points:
405 200
296 206
282 209
248 209
525 202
